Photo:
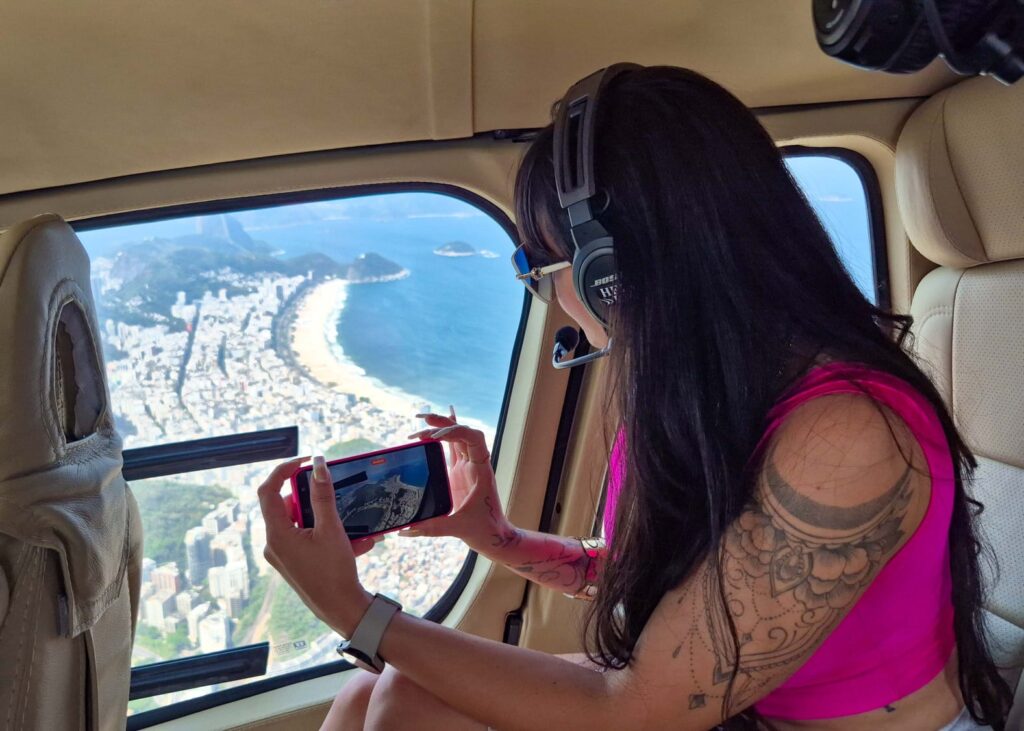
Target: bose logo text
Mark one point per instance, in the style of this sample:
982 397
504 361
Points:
608 295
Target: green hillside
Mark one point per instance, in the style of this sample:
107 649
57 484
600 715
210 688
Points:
169 508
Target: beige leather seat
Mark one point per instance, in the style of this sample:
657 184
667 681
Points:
960 182
70 533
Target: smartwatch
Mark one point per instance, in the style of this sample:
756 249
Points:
361 648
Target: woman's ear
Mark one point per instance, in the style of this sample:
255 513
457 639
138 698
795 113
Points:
573 306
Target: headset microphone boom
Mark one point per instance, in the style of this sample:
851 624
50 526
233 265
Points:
566 340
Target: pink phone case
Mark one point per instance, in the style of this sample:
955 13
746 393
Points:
297 512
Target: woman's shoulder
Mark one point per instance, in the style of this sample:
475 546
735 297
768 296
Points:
843 459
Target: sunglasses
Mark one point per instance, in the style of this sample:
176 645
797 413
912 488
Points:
536 279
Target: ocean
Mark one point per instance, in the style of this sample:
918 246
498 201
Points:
444 334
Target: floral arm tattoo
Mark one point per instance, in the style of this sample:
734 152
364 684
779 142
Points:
790 568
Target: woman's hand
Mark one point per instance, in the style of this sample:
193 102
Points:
476 515
318 562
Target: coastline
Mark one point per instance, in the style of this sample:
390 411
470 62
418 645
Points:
324 359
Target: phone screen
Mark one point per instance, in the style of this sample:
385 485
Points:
385 490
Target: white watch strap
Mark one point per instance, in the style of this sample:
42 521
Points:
370 629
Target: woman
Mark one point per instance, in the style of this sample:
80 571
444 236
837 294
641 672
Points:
791 543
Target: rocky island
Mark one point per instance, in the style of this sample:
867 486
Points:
368 268
455 248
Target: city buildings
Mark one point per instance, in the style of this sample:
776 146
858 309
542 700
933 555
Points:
167 579
197 550
213 366
214 632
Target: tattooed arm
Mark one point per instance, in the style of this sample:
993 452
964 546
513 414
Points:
835 501
553 561
556 562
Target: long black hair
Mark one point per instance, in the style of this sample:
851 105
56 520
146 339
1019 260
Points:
730 289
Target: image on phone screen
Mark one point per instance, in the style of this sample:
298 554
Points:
386 490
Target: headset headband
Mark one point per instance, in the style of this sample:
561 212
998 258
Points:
574 151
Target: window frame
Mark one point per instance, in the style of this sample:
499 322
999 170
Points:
865 172
446 603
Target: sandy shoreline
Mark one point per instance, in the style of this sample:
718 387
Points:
319 352
314 339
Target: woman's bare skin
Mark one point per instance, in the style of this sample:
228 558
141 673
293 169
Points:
681 634
928 709
349 710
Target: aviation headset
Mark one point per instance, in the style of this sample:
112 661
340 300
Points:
903 36
594 273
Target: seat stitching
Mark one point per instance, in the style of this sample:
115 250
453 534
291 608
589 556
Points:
952 352
41 563
931 312
940 120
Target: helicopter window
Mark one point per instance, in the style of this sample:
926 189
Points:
343 316
841 187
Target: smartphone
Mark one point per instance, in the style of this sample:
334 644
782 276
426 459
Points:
381 491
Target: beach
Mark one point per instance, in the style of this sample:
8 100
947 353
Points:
314 343
316 348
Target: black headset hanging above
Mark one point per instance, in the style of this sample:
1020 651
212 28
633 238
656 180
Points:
903 36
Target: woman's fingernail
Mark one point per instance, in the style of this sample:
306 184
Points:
424 415
441 432
320 468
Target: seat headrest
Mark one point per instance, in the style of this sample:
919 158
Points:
53 392
960 174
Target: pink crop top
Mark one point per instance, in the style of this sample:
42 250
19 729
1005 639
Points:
899 634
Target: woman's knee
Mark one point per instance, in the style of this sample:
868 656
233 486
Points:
348 712
398 702
393 689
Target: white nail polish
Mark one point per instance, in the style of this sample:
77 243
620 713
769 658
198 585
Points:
320 468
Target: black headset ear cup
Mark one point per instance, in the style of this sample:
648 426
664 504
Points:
921 49
595 277
917 52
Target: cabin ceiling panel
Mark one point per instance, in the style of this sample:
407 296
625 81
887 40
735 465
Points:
527 52
96 90
111 88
